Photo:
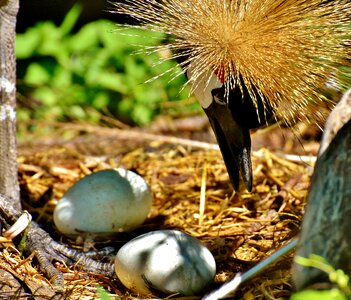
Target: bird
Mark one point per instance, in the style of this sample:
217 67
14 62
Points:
251 62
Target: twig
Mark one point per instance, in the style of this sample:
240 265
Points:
203 192
231 286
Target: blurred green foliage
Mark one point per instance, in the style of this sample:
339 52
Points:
103 294
67 73
342 289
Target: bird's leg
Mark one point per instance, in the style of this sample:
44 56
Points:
46 250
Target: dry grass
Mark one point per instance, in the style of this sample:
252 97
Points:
238 228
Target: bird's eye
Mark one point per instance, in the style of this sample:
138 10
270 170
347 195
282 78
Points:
218 96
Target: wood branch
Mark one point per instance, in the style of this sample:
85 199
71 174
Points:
326 225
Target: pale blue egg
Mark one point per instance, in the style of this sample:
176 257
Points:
104 203
168 261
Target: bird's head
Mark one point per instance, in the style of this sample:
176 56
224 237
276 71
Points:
247 60
232 113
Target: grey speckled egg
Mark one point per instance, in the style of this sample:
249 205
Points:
104 203
168 261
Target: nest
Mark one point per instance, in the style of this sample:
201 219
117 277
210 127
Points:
191 193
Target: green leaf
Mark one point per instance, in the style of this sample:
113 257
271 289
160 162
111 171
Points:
129 38
62 78
103 294
71 19
85 39
27 43
37 75
46 95
101 100
333 294
113 82
76 112
141 114
51 40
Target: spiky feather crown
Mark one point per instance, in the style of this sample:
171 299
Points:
284 49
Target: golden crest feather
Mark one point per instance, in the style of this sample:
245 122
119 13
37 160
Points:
285 49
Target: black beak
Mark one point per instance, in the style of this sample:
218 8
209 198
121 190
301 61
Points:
232 114
234 142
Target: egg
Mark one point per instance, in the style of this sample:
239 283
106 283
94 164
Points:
104 203
168 261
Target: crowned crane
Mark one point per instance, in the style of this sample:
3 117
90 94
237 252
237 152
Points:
251 61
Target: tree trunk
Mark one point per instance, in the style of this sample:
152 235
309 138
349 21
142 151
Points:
8 166
326 229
